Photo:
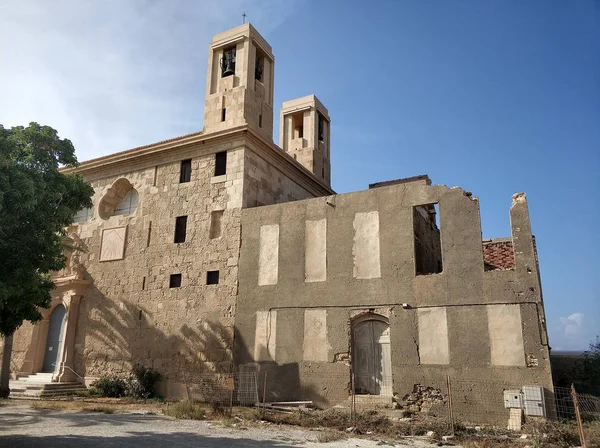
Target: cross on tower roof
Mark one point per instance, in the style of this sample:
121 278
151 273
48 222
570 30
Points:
244 17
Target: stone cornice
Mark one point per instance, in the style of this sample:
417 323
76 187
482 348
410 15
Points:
148 152
144 157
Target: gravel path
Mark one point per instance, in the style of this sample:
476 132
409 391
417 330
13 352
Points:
21 426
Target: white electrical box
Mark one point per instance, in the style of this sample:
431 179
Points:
534 401
513 399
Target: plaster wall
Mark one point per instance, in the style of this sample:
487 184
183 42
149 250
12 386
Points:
457 297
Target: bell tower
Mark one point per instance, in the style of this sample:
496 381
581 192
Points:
239 83
304 134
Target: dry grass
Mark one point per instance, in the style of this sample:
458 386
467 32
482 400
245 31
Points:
186 409
91 404
330 436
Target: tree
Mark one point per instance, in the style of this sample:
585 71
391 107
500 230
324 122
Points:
37 202
588 380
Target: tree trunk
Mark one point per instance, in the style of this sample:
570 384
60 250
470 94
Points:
5 369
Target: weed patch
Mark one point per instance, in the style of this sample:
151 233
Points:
186 409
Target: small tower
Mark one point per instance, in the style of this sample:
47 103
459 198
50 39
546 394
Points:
239 82
304 134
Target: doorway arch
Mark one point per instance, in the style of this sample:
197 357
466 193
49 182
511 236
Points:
371 355
54 338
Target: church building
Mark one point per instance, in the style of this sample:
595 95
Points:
221 249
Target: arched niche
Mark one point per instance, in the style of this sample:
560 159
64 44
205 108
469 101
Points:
120 199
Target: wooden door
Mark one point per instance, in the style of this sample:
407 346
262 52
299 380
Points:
54 339
371 357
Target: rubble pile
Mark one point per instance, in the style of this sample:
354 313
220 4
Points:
422 399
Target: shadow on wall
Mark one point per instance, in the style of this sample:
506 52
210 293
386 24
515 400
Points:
112 337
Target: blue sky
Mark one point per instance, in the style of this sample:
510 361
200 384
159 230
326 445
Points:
496 97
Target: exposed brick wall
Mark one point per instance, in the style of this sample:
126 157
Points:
498 254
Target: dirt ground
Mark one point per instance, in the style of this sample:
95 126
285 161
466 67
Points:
108 424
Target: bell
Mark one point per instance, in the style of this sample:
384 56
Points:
228 68
228 64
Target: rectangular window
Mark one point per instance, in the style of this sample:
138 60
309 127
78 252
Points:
180 229
260 120
212 278
185 172
223 114
258 68
220 163
175 281
428 244
321 128
215 224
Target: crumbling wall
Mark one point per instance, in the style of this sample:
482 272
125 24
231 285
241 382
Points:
464 303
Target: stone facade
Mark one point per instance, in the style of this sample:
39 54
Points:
220 248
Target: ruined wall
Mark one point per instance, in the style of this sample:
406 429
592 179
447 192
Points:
352 254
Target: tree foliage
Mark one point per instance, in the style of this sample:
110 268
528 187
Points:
588 378
37 202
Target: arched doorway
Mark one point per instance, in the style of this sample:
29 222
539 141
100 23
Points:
54 339
371 355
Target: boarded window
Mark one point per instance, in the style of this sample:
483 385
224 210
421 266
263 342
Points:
185 172
428 244
212 278
215 224
180 229
220 163
175 281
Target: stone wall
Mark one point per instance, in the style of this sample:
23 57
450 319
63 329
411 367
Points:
265 184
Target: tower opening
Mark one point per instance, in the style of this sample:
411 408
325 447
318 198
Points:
228 62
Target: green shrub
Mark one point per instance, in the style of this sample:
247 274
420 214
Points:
141 382
109 386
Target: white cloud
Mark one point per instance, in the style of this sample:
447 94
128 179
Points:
115 74
572 333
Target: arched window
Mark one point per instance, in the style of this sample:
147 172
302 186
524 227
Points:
120 199
83 215
129 203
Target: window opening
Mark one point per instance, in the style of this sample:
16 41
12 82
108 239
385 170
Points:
220 163
143 283
180 229
83 215
428 244
215 224
223 114
228 62
175 281
212 278
185 172
321 127
129 203
258 68
260 120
